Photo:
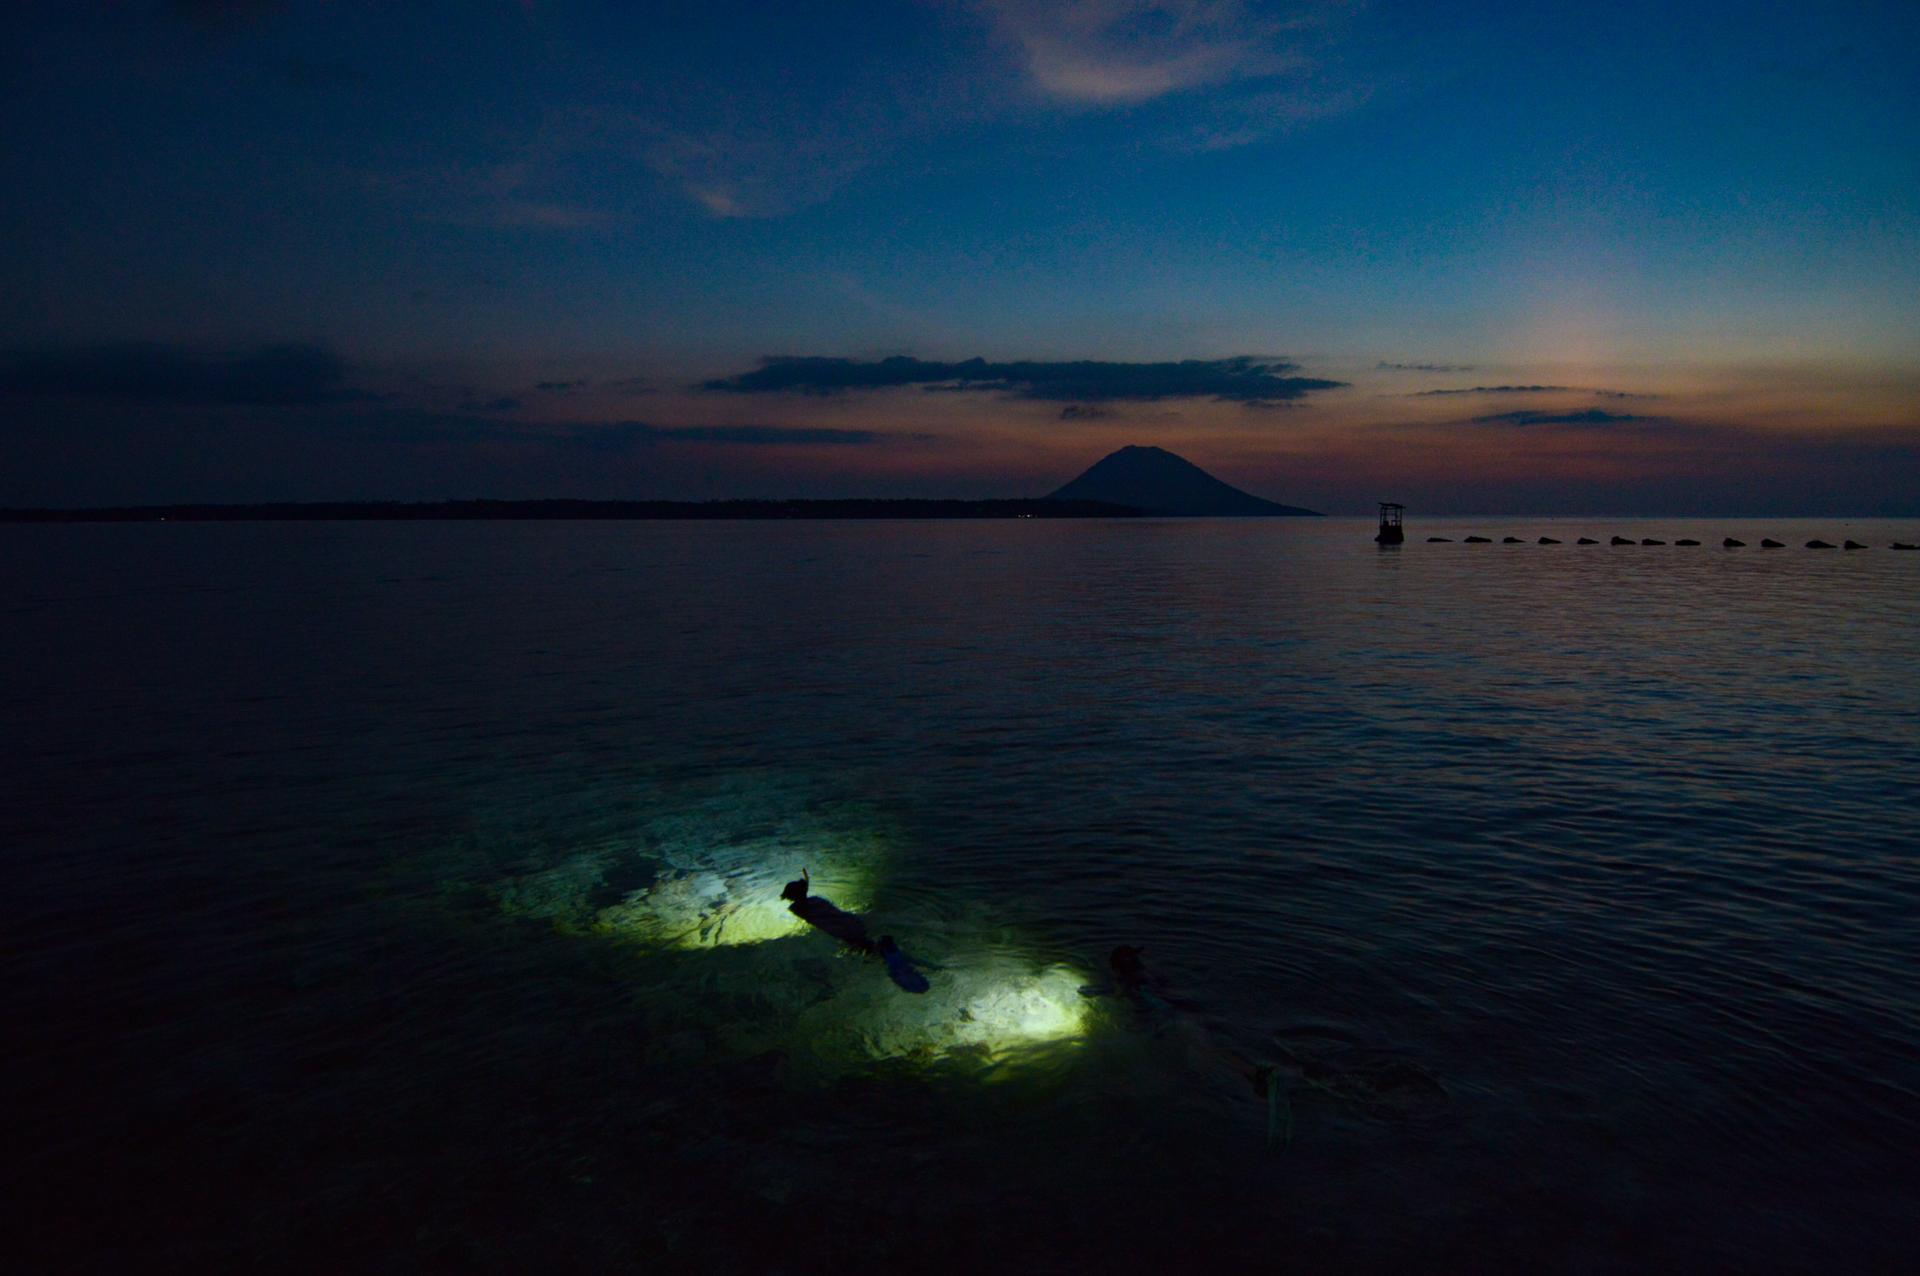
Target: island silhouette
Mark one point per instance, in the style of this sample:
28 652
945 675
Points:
1155 481
1129 483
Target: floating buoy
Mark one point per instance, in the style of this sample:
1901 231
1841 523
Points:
1439 540
1818 544
1689 542
1853 545
1620 540
1904 545
1511 540
1478 540
1731 543
1586 540
1769 543
1648 540
1548 540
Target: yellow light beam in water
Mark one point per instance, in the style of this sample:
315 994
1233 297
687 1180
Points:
713 910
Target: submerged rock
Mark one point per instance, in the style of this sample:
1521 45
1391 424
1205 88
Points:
1731 543
1620 540
1770 543
1818 544
1548 540
1853 545
1479 540
1686 542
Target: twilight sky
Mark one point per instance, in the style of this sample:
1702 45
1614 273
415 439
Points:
1480 258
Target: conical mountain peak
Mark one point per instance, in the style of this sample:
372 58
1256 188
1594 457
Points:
1156 481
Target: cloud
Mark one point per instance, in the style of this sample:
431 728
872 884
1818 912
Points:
1085 412
1122 52
505 403
1534 389
1424 367
622 435
159 373
1592 416
533 183
558 387
765 435
1239 380
1503 389
743 168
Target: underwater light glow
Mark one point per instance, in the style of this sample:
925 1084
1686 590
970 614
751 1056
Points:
1019 1012
715 908
986 1006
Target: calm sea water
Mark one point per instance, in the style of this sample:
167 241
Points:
387 897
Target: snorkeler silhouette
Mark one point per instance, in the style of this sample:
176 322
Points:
1385 1084
823 915
1129 972
1130 980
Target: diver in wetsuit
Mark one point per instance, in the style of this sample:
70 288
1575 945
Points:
1130 980
822 915
1378 1082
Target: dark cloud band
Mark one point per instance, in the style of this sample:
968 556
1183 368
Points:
1241 380
1534 389
1592 416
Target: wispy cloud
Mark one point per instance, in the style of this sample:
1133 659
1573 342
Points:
1241 71
762 435
736 169
1591 416
624 435
529 183
1243 380
1120 52
1114 52
1533 389
1385 366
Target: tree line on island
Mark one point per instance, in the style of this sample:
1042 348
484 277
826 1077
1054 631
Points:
1133 482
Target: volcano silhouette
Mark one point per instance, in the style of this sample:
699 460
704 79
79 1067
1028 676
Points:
1155 481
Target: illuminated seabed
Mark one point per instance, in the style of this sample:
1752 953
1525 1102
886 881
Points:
689 883
821 1011
995 1009
703 867
736 904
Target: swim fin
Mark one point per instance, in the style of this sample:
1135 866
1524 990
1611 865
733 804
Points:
900 970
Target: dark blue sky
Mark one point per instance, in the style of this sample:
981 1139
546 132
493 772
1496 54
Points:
263 250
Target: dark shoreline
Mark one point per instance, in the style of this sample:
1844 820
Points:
485 510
